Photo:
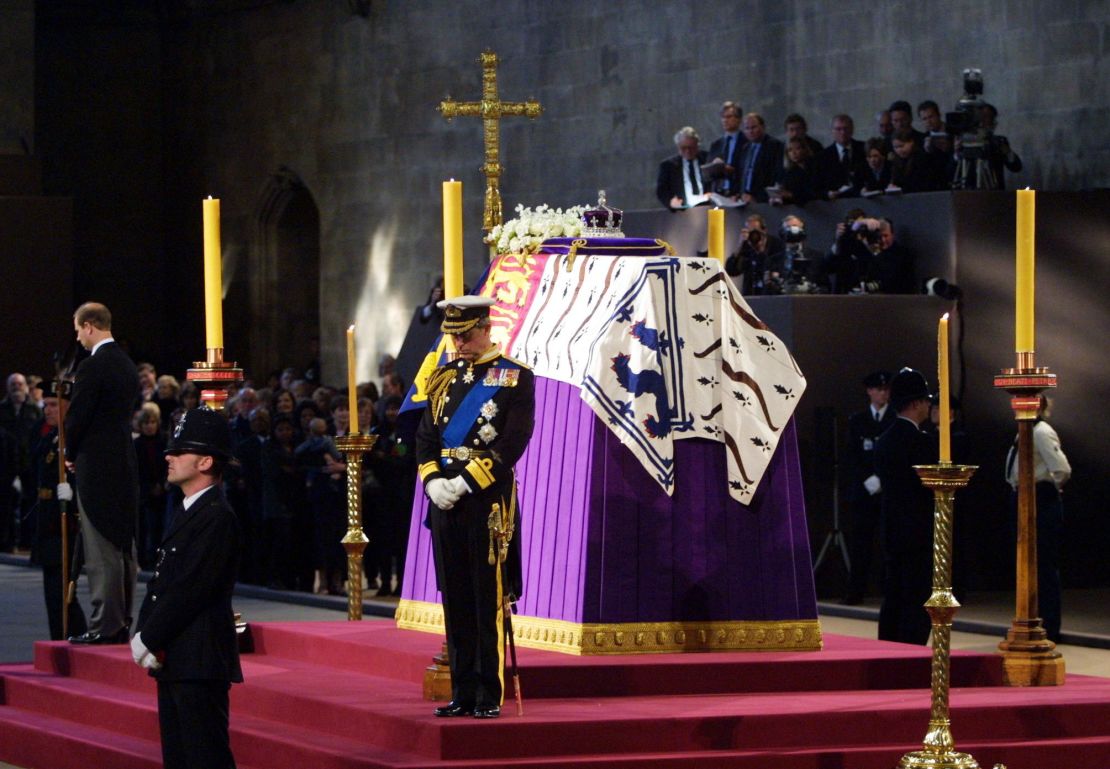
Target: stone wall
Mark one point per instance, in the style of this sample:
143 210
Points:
347 103
17 86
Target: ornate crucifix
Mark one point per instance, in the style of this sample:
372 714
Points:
491 109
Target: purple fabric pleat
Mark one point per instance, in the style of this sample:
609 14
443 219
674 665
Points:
602 542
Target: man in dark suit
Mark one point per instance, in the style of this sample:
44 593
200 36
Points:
727 150
907 512
186 630
19 414
478 422
841 168
98 443
679 178
760 159
864 500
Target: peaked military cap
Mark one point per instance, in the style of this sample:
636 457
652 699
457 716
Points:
201 431
877 379
463 313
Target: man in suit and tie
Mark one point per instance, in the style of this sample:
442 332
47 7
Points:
841 168
98 444
679 178
907 512
727 150
186 631
864 428
760 161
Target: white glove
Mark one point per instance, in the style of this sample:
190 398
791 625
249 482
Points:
65 492
440 492
458 487
17 485
138 649
873 485
150 662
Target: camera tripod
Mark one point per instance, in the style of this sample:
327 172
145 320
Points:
835 537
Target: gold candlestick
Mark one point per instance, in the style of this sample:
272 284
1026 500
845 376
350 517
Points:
1028 657
938 750
354 541
214 377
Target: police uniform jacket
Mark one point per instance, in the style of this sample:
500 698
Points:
46 548
907 504
863 432
98 436
186 618
478 431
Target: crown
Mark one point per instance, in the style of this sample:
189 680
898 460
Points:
603 221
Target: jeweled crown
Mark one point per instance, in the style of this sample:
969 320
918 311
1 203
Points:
603 221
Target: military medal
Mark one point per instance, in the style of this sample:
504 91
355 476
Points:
468 377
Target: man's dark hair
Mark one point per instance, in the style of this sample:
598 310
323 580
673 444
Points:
901 106
905 135
792 118
94 313
731 105
927 104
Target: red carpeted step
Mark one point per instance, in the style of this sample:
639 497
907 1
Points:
41 741
845 663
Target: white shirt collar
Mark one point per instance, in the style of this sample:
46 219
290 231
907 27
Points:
878 413
189 500
100 344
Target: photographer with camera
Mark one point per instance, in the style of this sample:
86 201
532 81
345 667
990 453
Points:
996 155
850 255
751 259
890 270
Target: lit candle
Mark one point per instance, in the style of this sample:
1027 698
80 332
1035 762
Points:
213 275
352 391
942 376
1026 224
452 239
717 234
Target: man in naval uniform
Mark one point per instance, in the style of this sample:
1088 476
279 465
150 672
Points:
186 631
478 422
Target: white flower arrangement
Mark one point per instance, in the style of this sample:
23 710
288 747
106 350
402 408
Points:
524 233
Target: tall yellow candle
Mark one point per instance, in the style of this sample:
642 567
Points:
945 405
717 234
352 391
1026 224
213 275
452 239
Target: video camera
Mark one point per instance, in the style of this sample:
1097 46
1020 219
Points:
964 123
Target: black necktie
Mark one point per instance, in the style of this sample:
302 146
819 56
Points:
846 157
694 187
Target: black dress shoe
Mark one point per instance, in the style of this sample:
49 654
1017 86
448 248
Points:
487 711
454 709
91 638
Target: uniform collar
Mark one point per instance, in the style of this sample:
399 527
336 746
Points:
492 353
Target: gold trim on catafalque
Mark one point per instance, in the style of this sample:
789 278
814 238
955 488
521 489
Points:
636 637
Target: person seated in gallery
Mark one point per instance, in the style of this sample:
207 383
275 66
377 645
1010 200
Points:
795 183
877 177
760 160
679 179
750 260
891 269
911 170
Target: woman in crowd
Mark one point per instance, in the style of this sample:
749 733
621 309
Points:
795 181
150 446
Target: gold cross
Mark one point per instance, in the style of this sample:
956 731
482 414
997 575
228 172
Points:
491 109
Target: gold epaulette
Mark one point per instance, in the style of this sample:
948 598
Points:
438 383
520 363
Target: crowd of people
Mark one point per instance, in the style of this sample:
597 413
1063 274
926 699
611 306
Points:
287 485
747 164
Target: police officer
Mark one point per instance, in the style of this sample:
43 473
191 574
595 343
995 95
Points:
46 548
186 629
907 512
864 428
477 424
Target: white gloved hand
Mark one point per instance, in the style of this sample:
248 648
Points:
17 485
65 492
138 649
440 492
873 485
459 487
150 662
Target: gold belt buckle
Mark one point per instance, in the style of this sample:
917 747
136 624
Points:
462 453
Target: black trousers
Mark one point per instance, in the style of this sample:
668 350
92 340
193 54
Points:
907 584
866 512
475 640
192 716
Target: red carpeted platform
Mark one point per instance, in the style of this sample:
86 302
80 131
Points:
336 695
